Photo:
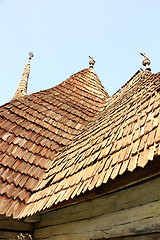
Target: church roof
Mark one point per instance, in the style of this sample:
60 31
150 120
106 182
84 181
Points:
34 128
59 143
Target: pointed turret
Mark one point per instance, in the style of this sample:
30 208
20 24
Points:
22 88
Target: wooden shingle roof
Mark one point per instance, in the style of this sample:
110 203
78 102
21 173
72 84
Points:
34 128
61 142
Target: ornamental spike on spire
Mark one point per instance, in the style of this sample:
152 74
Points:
91 62
22 88
146 62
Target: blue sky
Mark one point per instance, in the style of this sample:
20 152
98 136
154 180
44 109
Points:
63 33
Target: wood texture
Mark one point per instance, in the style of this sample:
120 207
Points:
14 235
124 137
8 223
34 128
130 212
57 144
155 236
11 229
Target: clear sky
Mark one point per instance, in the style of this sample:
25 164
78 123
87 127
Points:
63 33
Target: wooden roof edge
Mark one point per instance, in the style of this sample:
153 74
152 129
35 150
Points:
127 180
135 74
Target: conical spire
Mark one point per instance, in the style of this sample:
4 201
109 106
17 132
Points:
22 88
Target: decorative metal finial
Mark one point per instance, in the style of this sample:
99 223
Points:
91 62
31 55
146 62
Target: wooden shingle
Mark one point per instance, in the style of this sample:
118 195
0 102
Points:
60 143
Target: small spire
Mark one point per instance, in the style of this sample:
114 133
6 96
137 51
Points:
146 62
22 88
91 62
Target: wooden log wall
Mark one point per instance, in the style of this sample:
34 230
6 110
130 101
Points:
131 213
15 229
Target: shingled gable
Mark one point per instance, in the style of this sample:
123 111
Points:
59 143
126 135
35 127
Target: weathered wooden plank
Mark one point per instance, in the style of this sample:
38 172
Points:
143 193
32 219
133 221
152 169
14 235
17 225
154 236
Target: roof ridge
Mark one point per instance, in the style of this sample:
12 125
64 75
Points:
136 73
70 79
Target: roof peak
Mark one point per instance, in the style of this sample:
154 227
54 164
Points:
88 80
23 85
